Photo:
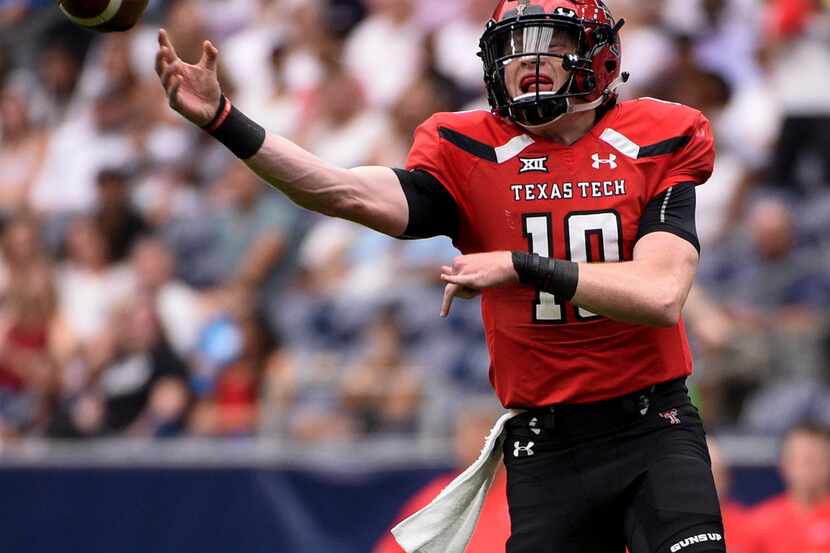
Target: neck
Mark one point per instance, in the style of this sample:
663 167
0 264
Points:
568 129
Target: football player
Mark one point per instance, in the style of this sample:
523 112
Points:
575 214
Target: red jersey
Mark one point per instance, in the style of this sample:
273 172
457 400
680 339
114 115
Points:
492 530
583 203
783 526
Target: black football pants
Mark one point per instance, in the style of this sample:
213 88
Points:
595 478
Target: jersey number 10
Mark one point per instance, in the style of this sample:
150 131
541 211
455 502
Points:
590 236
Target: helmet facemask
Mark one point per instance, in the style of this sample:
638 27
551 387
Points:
535 43
535 38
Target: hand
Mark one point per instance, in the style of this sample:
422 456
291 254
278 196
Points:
470 274
192 90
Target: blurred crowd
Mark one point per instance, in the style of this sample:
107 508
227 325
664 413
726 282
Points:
150 285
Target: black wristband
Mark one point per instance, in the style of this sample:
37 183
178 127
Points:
556 276
242 136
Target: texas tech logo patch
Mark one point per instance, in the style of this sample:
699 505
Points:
671 416
534 164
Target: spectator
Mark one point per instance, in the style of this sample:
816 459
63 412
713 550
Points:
719 26
90 286
234 405
456 47
278 107
648 46
22 151
800 33
384 51
92 139
381 390
739 532
255 230
773 286
341 128
425 97
181 311
58 71
115 215
141 381
799 520
28 375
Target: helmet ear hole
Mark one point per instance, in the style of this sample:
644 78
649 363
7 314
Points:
590 82
610 66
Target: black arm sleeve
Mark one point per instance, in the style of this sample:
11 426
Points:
432 209
672 211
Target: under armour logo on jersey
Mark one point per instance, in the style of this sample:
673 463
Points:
671 416
534 165
519 449
598 161
534 426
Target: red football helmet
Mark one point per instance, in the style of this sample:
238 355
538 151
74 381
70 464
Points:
538 28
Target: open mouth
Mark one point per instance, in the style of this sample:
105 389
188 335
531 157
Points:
533 84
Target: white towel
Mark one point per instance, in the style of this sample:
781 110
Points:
447 523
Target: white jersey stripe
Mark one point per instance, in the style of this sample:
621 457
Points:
513 148
621 143
665 205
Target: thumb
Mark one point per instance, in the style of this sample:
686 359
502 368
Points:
209 56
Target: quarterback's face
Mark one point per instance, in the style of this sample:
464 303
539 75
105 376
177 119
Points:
520 72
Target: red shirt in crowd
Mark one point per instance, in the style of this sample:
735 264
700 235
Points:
737 524
783 526
492 530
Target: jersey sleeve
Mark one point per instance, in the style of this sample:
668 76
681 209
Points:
694 161
429 154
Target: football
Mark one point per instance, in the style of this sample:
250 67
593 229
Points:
104 15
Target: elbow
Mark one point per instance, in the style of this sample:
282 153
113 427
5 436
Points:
667 317
668 310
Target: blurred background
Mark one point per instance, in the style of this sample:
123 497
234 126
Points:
188 362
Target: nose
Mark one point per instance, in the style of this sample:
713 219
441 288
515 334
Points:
530 59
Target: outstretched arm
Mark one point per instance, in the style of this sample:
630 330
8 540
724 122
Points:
371 196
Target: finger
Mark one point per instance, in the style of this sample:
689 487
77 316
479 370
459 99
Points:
164 42
460 280
173 93
447 270
449 293
167 56
161 63
167 76
209 56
